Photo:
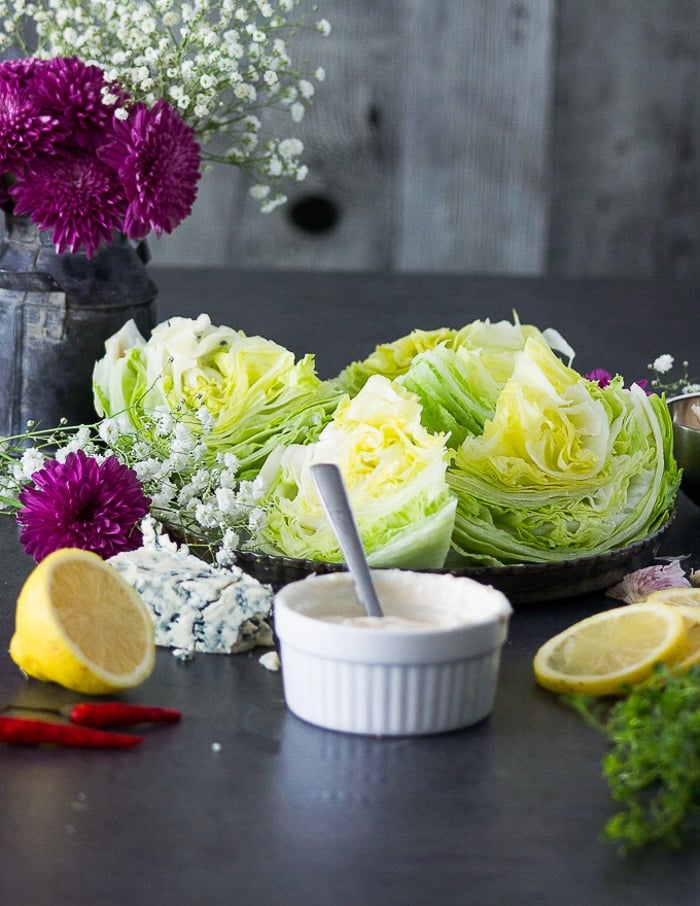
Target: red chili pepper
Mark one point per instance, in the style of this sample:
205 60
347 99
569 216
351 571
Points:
119 714
23 731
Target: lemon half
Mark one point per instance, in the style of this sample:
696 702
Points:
609 650
80 624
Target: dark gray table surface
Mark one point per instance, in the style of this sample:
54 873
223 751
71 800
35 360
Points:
508 812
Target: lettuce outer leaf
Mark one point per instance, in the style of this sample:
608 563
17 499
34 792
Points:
392 359
119 377
457 391
497 342
394 471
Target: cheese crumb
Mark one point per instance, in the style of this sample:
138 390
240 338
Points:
270 660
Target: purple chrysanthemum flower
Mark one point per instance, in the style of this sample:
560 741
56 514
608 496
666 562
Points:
18 72
73 90
158 161
600 376
26 128
603 378
82 503
77 197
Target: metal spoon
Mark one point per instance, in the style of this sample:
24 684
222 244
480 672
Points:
335 501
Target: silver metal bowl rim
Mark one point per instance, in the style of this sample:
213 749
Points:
683 396
682 426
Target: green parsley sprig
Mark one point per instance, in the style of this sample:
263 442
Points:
653 766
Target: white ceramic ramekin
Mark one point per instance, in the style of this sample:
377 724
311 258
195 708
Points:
391 681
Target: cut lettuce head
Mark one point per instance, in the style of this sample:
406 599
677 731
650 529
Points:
244 395
394 471
478 445
563 468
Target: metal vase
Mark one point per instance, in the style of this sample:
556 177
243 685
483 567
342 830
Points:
56 311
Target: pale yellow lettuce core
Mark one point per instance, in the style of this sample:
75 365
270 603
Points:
547 427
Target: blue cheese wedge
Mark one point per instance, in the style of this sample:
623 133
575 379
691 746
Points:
196 606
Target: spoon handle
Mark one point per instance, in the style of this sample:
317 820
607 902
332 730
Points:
335 501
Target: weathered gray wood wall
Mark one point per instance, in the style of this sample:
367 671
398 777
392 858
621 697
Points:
484 136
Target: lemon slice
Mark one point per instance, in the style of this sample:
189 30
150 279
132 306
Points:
691 615
687 596
80 624
604 652
687 600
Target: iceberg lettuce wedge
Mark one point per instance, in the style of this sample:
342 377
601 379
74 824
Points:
394 471
564 468
243 395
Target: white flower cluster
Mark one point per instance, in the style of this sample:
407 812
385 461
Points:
219 63
202 502
660 367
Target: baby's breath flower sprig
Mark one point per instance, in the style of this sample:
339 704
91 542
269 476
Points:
660 383
202 501
218 64
23 454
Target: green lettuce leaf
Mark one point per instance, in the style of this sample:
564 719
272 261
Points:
457 391
119 377
497 343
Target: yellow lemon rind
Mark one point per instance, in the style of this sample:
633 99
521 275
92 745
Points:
687 596
691 616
